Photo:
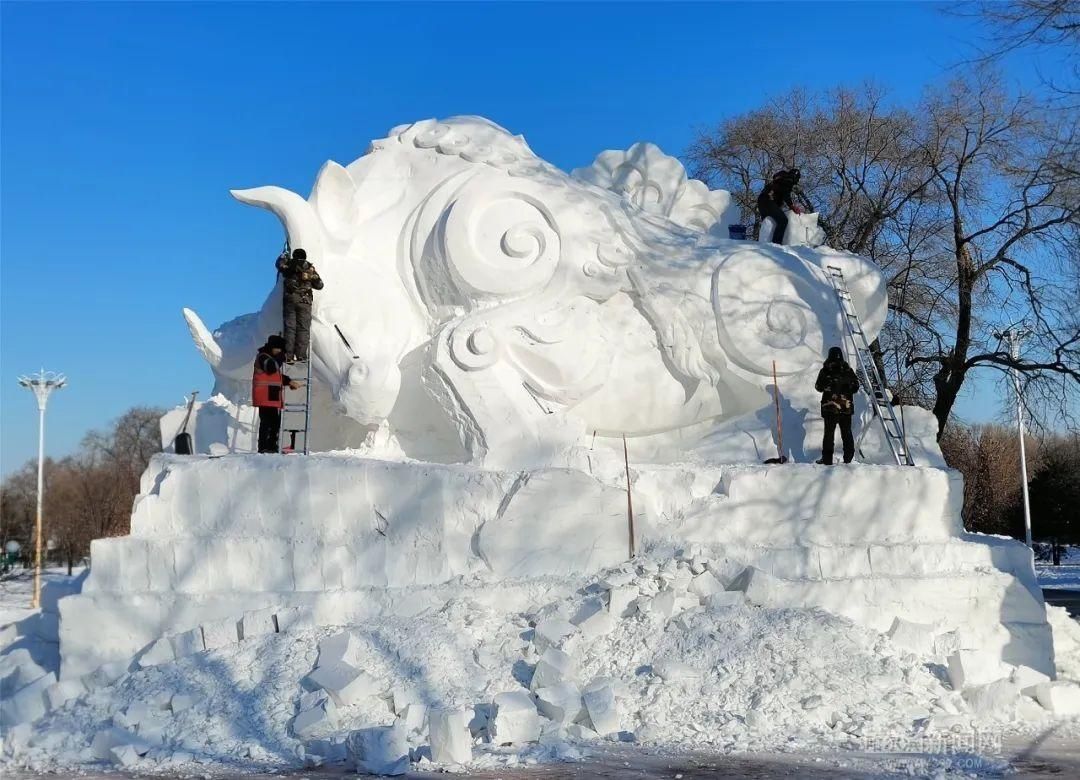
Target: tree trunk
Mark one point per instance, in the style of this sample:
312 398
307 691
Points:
950 378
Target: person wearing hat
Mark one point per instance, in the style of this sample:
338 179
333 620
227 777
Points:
268 391
773 198
301 279
837 384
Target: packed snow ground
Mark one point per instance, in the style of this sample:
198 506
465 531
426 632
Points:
1066 576
17 590
720 676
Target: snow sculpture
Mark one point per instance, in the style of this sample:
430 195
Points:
657 184
501 310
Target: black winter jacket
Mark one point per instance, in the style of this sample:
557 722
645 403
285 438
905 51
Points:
778 190
837 384
300 278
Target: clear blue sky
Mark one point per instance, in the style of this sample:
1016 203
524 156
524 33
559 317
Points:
124 126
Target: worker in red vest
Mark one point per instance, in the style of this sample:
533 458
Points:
268 391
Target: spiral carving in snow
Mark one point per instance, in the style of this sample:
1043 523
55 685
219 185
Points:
502 242
771 307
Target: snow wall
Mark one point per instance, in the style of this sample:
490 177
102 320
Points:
344 537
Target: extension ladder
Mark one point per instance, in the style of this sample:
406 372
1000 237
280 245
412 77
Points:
871 378
295 409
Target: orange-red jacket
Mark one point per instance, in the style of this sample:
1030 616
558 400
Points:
267 382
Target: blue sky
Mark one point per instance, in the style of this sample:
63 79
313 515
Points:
124 126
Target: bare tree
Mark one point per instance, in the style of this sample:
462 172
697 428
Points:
1011 211
968 203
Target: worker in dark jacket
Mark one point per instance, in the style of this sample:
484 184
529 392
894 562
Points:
774 197
837 384
301 279
268 391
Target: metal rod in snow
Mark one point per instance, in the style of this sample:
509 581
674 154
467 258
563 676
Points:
629 499
779 421
1013 337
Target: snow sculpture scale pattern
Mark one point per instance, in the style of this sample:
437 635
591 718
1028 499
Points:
502 309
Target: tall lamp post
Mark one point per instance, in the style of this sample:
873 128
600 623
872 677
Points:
1013 337
42 384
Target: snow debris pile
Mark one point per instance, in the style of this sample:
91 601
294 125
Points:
656 652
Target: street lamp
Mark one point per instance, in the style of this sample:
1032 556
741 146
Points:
1013 338
42 384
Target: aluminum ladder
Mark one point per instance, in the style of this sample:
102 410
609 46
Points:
871 379
296 408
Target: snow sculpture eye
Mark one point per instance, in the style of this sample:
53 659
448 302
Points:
771 307
500 242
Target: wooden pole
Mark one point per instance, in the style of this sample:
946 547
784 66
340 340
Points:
629 500
779 420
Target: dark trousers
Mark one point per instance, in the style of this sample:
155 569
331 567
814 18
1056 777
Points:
269 428
297 317
832 419
771 209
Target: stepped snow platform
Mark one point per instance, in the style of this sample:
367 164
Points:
332 539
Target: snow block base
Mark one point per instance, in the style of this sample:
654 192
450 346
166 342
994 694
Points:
330 539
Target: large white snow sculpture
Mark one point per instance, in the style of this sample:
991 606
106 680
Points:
501 310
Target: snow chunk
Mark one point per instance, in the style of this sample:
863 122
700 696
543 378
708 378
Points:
413 717
125 755
916 638
105 675
554 667
599 700
182 701
620 598
258 622
992 698
159 652
380 750
706 584
553 632
974 667
1027 678
451 742
338 648
59 694
725 599
561 703
320 717
187 643
1060 697
345 683
670 671
514 719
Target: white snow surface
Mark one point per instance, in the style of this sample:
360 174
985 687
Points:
750 679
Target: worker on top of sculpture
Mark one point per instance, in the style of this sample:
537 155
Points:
301 279
268 391
773 198
837 384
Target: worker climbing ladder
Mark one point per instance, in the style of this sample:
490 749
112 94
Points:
296 415
871 378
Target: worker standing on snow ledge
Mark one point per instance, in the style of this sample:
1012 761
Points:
268 391
301 279
837 384
774 197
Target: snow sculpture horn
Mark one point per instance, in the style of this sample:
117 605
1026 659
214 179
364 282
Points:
296 215
203 338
